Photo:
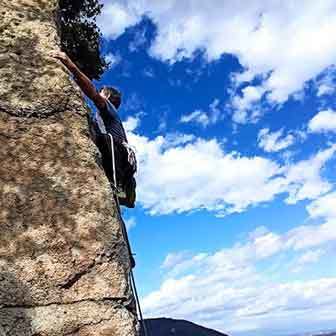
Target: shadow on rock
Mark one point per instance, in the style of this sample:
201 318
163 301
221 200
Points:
14 300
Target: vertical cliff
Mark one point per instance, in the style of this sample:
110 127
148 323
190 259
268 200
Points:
63 262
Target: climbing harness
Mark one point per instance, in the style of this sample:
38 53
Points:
125 237
127 191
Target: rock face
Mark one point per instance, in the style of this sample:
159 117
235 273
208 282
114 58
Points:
64 264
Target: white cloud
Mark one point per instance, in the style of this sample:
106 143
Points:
131 124
325 89
258 232
116 17
310 257
130 223
304 180
204 118
228 290
112 59
270 38
324 207
245 106
274 142
200 175
197 116
149 72
177 263
135 104
172 259
138 41
175 139
324 121
181 173
327 84
311 235
214 111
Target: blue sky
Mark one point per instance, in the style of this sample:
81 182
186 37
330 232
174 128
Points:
231 108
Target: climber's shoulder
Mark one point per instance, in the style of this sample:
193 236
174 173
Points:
99 101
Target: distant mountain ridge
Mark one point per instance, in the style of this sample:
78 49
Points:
171 327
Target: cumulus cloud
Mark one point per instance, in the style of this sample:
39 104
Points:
181 173
135 104
204 118
176 139
200 175
172 259
246 106
304 180
176 263
310 236
197 116
116 17
112 59
324 121
274 141
131 124
325 89
326 85
310 257
130 223
271 39
324 207
228 290
138 41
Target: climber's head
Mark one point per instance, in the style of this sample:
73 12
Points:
112 94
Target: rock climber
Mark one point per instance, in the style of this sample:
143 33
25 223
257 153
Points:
107 121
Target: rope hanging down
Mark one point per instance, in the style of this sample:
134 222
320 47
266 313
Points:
125 236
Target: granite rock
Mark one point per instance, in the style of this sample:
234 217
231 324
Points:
64 265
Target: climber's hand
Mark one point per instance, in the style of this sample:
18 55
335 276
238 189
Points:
60 55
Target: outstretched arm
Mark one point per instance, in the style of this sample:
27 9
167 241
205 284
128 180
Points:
82 80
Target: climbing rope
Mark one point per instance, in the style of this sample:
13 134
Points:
125 237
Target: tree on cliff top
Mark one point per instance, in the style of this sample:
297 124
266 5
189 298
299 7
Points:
80 35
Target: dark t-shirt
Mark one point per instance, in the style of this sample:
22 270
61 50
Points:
112 122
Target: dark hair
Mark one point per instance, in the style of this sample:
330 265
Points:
114 95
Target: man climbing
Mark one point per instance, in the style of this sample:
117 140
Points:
108 133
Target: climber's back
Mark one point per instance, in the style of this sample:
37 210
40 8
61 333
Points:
115 149
107 113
